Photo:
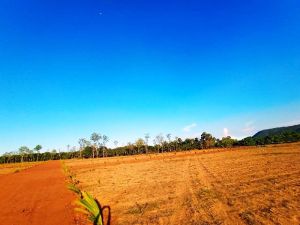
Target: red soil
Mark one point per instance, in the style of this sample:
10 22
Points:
36 196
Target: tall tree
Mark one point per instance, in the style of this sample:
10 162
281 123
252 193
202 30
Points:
159 139
23 151
82 143
105 140
139 144
169 141
96 139
176 143
37 150
53 154
130 148
207 140
147 136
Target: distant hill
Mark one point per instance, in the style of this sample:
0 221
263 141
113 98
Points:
277 131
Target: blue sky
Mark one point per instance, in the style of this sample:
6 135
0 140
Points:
125 68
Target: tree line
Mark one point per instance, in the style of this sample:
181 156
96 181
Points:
95 146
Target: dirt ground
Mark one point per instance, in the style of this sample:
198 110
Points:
257 185
36 196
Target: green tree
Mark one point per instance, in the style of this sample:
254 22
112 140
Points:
248 141
227 142
207 140
139 144
176 143
37 149
82 145
96 139
23 151
105 140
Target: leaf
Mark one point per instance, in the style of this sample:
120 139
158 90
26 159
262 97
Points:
75 189
89 206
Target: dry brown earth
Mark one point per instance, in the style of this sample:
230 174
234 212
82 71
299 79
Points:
238 186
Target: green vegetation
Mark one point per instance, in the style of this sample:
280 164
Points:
88 205
284 137
277 131
97 144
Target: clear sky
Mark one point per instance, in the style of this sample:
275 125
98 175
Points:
125 68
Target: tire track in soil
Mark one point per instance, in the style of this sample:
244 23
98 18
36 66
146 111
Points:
200 202
219 212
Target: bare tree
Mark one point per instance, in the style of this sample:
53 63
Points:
147 136
159 139
96 139
116 143
169 141
81 143
105 140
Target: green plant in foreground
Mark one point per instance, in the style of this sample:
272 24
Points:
88 205
75 189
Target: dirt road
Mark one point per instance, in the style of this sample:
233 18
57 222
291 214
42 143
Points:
36 196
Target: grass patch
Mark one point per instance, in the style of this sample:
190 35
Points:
207 194
17 170
248 217
140 209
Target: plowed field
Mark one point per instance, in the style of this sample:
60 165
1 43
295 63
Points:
255 185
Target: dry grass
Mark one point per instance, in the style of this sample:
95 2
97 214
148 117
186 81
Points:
16 167
239 186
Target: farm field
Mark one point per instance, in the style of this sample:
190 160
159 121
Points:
16 167
255 185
